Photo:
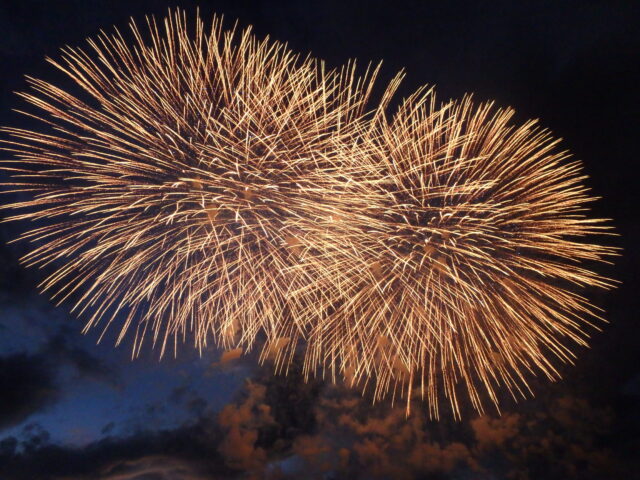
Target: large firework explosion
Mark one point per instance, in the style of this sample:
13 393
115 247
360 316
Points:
169 181
473 246
203 182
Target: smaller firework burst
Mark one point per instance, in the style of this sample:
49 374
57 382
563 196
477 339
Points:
464 272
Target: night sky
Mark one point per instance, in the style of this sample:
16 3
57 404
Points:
71 409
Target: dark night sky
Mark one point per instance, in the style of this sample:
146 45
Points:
70 409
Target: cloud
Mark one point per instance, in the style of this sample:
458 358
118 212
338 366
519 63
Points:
282 428
29 382
443 459
191 400
108 428
242 423
151 468
492 433
39 348
184 453
243 439
230 355
233 360
26 386
558 437
34 438
8 447
60 349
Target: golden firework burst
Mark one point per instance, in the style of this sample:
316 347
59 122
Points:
169 179
464 271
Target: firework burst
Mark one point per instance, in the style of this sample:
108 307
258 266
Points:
168 183
464 274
